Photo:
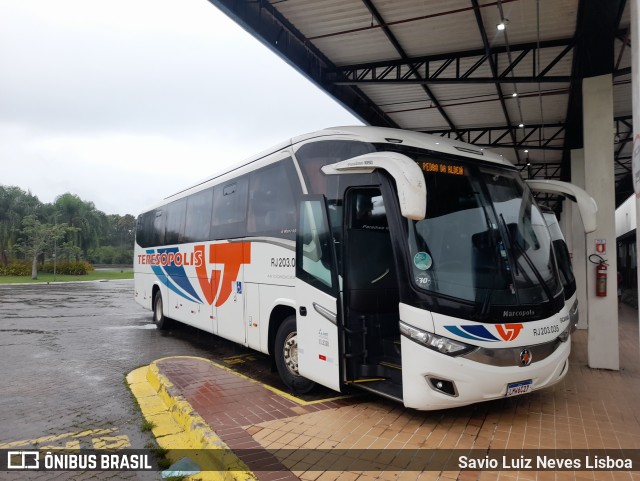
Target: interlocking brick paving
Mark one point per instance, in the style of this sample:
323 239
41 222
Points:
229 403
593 409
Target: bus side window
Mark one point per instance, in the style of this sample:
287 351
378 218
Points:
316 180
174 223
229 209
273 199
157 233
314 248
144 229
198 220
314 155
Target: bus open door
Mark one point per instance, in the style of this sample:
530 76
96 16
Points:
317 294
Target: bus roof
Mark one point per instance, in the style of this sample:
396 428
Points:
410 138
362 134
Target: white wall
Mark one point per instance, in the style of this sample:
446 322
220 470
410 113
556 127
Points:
626 217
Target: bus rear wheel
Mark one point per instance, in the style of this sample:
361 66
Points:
286 355
161 321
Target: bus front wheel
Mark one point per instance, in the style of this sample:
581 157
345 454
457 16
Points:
286 354
161 321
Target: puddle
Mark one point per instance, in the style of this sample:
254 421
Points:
144 326
25 331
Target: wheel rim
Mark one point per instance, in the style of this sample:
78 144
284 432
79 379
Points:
290 353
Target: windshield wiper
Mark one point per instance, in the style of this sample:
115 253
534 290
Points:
486 304
529 262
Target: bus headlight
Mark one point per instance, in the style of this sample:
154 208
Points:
437 343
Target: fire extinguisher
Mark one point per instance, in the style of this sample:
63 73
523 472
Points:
601 274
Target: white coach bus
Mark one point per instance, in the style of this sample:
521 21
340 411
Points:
412 266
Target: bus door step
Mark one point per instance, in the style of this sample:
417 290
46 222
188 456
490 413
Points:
387 389
389 370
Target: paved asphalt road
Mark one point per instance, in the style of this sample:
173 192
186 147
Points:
65 350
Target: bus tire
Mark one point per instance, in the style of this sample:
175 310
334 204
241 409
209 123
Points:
286 356
160 320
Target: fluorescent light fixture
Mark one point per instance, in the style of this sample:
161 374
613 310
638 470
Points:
503 24
521 125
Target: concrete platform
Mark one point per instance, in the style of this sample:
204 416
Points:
269 435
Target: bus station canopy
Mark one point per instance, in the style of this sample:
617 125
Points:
504 75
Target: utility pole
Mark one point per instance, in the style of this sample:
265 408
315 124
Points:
55 245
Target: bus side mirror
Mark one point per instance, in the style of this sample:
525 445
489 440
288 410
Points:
412 191
586 204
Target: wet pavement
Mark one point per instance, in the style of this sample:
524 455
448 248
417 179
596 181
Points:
65 351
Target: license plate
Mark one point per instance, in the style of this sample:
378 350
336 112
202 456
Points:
520 387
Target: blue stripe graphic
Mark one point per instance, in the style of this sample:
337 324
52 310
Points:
475 333
167 281
178 275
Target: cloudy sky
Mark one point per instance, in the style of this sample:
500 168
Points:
125 101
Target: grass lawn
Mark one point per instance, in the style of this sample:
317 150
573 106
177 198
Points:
97 275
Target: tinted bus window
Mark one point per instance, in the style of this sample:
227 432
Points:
174 224
198 220
273 201
229 209
156 237
315 155
144 228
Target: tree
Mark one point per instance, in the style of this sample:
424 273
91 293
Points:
15 204
121 230
89 222
38 237
95 235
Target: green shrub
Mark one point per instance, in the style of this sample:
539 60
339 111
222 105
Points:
72 268
16 268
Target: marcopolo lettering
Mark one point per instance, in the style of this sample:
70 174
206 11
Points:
529 312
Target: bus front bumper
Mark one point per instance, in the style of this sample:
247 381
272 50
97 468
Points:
432 380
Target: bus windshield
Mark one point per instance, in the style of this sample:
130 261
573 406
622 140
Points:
483 239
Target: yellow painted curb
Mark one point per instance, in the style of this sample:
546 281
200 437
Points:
177 426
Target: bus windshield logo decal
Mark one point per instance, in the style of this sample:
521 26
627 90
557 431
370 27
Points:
478 332
221 282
